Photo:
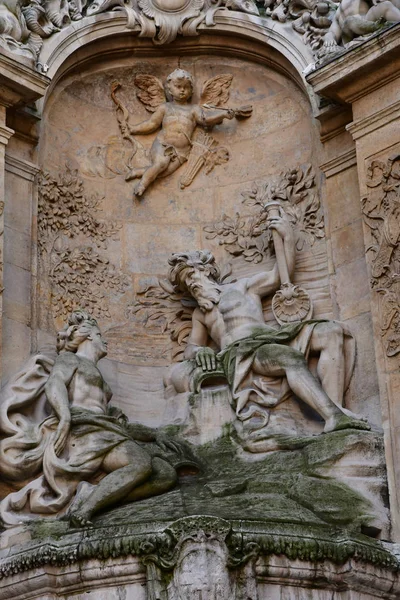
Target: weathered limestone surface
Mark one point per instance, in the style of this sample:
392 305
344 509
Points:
209 475
368 81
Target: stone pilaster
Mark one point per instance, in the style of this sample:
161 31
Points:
367 80
20 85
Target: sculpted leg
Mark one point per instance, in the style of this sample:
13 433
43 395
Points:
163 478
274 359
327 338
385 10
128 466
159 165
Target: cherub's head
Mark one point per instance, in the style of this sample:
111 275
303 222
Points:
179 86
81 327
197 273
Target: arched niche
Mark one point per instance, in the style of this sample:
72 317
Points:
79 129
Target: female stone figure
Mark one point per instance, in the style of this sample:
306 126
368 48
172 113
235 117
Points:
78 441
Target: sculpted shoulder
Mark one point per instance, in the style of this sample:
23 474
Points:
198 315
69 359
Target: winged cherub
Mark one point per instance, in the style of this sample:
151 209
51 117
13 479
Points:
177 117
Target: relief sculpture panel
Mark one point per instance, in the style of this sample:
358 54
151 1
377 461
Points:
191 401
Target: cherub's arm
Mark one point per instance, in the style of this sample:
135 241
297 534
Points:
56 390
207 117
196 347
150 125
264 284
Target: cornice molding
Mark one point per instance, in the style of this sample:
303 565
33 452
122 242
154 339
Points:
5 134
339 163
362 127
21 167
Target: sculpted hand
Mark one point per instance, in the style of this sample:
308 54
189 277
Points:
61 436
206 359
166 443
281 224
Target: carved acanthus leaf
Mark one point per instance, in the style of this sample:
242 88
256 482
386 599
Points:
381 209
79 275
249 236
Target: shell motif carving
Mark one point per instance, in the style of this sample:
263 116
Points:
290 304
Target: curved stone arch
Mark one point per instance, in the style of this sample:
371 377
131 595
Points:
265 41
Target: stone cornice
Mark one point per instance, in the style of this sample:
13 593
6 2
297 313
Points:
5 134
120 551
360 70
23 168
375 121
339 163
20 83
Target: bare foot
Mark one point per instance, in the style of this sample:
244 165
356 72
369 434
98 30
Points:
77 520
139 189
345 421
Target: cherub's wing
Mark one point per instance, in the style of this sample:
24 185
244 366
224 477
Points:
216 90
151 91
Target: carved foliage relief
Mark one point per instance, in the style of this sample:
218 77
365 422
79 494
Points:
159 308
250 237
381 209
72 240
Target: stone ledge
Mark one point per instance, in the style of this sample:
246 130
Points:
360 70
287 554
19 83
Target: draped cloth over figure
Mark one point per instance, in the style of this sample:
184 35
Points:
252 392
28 448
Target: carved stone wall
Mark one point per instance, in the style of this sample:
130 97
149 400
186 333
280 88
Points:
81 133
239 514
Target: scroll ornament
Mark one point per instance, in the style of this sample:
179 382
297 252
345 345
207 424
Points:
381 209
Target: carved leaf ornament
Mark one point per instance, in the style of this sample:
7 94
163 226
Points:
161 309
172 17
250 237
381 210
79 275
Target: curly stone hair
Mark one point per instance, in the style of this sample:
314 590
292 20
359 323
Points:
76 331
179 74
185 263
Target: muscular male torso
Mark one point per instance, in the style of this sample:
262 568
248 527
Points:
87 388
238 315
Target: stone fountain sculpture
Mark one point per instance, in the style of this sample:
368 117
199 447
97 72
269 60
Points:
78 454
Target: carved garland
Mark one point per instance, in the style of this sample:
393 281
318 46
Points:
381 209
79 274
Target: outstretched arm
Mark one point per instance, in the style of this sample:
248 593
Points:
267 283
207 117
150 125
56 390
